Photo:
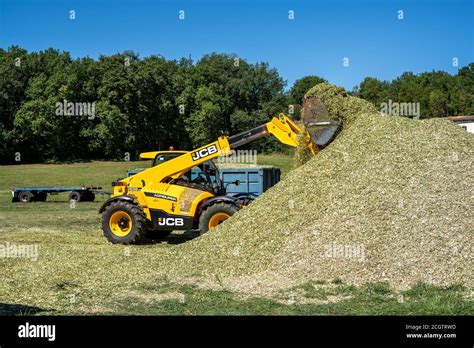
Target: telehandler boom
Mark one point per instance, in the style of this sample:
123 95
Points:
161 198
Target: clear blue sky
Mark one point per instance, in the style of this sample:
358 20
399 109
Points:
315 42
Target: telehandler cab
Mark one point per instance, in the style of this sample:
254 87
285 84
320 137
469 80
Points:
162 198
206 174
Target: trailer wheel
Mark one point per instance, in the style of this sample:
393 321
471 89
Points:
91 197
88 196
25 196
75 196
41 196
124 223
214 215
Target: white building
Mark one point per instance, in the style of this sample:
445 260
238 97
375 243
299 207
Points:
466 122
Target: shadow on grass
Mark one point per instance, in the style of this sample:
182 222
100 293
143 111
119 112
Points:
9 309
173 238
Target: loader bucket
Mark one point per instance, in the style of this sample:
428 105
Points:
323 127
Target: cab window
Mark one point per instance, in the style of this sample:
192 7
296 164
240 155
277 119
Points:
164 157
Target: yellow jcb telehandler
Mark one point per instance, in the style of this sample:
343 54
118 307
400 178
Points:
162 198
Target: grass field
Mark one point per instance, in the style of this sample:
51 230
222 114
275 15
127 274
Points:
78 272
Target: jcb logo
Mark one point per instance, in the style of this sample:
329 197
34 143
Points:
207 151
170 222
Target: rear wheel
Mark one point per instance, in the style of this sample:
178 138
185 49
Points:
88 196
214 215
41 196
124 223
25 196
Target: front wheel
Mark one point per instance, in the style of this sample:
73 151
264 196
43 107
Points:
214 215
124 223
76 196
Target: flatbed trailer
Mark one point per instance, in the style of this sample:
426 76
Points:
39 194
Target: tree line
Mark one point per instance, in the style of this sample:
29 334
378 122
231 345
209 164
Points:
437 93
56 108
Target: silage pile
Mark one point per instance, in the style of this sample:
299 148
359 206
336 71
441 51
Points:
389 200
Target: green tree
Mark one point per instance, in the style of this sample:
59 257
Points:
374 90
438 104
301 86
206 121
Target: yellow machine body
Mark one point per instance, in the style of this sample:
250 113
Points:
166 201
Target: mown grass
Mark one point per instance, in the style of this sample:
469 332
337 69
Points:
79 272
371 299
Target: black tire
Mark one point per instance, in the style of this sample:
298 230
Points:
41 196
137 219
76 196
25 196
88 196
209 212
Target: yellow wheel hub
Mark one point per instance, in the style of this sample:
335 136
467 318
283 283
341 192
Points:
120 223
216 219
